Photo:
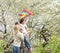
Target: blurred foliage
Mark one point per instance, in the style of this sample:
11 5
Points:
54 45
2 46
45 22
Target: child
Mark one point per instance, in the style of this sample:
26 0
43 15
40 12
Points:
18 37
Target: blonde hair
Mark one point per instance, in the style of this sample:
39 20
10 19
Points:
15 30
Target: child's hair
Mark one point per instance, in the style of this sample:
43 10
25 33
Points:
15 30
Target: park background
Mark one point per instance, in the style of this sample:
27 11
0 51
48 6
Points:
44 23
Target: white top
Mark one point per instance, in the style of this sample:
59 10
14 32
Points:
23 28
17 39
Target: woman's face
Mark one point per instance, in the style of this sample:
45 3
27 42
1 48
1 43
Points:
25 19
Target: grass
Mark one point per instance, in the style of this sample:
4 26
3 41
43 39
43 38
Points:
35 50
52 47
1 46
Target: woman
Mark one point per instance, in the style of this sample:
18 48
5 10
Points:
18 37
23 30
23 20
